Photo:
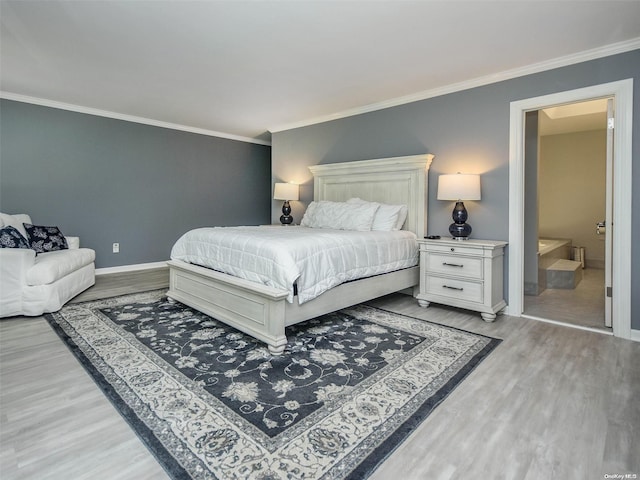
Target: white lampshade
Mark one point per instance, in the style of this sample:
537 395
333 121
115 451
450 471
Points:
459 186
285 191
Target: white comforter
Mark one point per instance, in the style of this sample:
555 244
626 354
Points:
314 259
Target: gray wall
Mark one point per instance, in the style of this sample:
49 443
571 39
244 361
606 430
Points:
467 131
108 180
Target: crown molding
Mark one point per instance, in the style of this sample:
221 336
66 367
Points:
127 118
600 52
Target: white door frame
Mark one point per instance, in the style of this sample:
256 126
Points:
622 91
608 212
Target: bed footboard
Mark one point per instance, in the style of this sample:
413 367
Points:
255 309
263 312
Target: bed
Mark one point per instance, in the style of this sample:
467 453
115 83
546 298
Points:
263 311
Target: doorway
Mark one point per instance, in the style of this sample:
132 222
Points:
622 92
566 181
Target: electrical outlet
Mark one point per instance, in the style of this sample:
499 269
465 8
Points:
116 248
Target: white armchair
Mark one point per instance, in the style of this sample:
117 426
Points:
33 284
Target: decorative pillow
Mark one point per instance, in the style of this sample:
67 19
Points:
308 215
45 239
342 216
388 217
16 221
10 237
402 217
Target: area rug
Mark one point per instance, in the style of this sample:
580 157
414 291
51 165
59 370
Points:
213 403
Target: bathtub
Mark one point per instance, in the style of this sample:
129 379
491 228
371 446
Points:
552 249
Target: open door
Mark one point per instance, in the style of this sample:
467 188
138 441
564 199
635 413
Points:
619 182
608 221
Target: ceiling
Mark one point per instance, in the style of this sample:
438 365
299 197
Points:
574 117
246 68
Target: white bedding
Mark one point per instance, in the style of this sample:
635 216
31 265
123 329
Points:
314 259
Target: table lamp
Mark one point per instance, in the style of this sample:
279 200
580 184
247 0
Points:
459 187
286 192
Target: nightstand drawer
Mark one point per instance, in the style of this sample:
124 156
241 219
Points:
454 265
454 249
451 288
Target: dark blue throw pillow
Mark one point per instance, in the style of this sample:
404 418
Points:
45 239
12 238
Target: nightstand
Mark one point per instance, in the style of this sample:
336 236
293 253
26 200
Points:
465 274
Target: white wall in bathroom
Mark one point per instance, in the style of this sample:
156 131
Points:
572 190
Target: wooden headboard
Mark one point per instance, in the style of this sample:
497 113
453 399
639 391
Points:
396 180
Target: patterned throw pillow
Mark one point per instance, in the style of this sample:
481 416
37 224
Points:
10 237
45 239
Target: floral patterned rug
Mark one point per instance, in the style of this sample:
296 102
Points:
212 403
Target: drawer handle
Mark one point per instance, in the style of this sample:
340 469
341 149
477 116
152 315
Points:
452 264
453 288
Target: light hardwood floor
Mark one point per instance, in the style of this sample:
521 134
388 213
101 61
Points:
583 305
550 402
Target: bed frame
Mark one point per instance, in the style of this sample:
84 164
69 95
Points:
263 312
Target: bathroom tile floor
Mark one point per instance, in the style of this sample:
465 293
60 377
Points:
582 306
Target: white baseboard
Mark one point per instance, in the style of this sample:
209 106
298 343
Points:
130 268
635 335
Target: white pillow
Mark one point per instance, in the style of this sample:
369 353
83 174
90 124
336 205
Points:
16 221
402 217
341 216
308 215
388 217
